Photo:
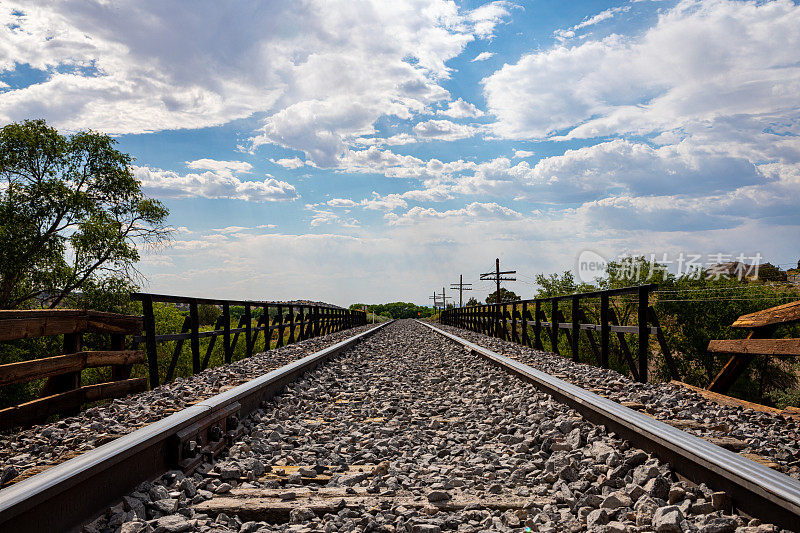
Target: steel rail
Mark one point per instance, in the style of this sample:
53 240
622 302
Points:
64 496
755 489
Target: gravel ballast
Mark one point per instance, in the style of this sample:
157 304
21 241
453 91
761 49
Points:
771 439
36 448
408 432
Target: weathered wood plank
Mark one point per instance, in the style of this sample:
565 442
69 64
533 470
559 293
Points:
113 389
756 346
727 400
62 364
37 410
275 505
30 323
774 316
27 328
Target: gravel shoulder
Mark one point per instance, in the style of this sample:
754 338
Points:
35 449
408 432
773 440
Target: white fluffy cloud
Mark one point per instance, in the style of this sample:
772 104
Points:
460 109
218 181
289 162
444 130
219 166
322 72
700 63
483 56
474 213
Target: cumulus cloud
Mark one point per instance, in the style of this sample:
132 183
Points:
700 63
289 162
240 229
483 56
219 184
219 166
322 217
475 212
460 109
523 153
444 130
320 72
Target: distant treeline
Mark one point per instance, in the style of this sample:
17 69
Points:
396 310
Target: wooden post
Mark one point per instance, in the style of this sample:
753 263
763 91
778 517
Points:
576 329
226 328
554 325
149 326
69 381
537 325
317 323
644 333
119 372
605 331
248 330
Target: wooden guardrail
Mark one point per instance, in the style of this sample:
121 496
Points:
513 321
62 393
300 321
762 326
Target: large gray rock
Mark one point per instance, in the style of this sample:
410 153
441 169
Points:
615 500
171 524
667 519
598 517
645 508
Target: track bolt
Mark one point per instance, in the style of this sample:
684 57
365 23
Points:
215 433
190 448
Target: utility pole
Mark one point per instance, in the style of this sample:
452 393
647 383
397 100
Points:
497 276
434 300
461 286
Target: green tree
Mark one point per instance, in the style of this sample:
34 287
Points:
71 213
396 310
208 314
472 302
560 285
505 296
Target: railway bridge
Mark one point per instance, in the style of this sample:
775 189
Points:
404 425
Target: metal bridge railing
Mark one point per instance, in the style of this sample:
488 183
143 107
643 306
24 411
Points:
300 321
513 321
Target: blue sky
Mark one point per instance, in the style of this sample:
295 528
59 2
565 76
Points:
373 151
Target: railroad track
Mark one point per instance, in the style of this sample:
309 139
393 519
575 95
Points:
412 429
754 488
65 495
